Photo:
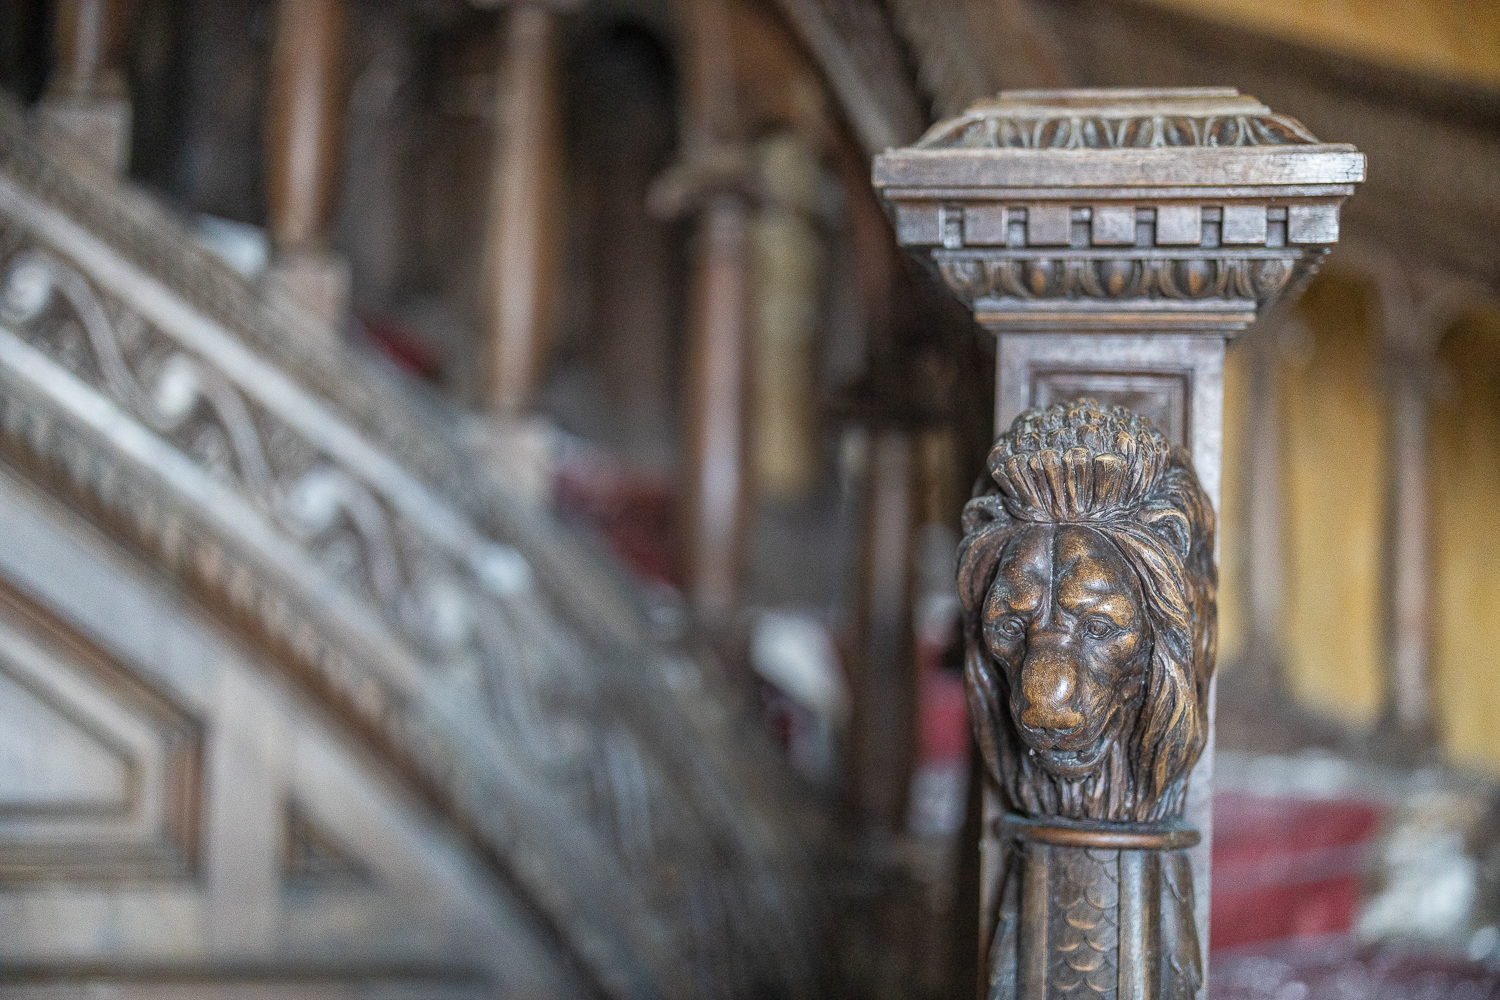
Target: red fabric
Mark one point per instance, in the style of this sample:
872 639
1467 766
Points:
402 345
1287 868
944 718
635 512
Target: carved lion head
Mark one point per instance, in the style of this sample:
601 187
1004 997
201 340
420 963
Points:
1087 579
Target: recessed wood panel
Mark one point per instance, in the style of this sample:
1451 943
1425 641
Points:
99 776
1160 396
53 761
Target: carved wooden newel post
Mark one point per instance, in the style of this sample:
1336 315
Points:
1114 241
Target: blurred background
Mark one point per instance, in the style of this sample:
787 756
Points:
634 243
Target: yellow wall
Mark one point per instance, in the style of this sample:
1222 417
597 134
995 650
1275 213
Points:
1458 39
1464 466
1232 513
1334 462
1334 459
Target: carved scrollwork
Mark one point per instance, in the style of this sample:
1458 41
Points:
317 504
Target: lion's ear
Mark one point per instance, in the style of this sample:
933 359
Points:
985 700
984 524
982 511
1170 525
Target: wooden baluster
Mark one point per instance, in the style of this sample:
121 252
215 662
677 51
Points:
87 106
1408 700
521 240
304 129
715 457
1416 309
715 431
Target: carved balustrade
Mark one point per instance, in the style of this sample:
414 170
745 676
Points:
318 524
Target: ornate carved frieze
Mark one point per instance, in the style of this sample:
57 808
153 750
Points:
1117 277
593 770
1054 210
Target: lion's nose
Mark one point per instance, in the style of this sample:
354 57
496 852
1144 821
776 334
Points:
1048 685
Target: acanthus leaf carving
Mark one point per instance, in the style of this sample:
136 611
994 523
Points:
1001 125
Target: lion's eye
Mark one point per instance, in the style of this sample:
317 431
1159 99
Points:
1010 628
1098 628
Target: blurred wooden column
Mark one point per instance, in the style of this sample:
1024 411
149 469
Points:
711 177
882 739
87 105
304 141
1408 700
521 238
715 432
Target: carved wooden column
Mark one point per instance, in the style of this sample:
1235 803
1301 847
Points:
86 104
1114 241
521 240
304 140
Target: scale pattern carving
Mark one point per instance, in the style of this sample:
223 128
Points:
1083 934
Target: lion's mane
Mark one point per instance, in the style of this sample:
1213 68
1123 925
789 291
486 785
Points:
1077 463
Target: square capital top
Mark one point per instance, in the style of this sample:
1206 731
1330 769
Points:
1137 141
1119 210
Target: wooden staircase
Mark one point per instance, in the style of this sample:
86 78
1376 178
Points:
299 703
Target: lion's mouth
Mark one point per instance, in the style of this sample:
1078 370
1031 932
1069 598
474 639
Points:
1070 763
1070 753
